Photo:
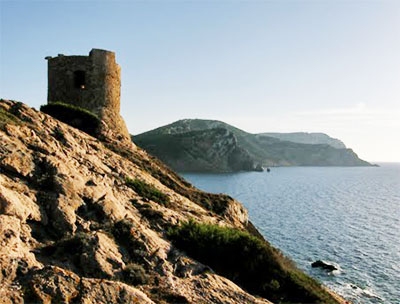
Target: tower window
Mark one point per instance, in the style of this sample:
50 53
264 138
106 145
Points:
79 79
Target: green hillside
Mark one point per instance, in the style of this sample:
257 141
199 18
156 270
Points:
207 145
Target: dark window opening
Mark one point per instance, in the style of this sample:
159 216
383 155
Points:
79 79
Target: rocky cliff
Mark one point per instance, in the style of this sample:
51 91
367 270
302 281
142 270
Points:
292 149
84 221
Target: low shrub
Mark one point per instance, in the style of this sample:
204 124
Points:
70 248
73 245
135 247
92 211
249 261
7 118
134 274
213 202
151 215
163 295
59 135
46 177
148 191
75 116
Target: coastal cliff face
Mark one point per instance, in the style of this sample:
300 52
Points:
82 221
308 138
266 149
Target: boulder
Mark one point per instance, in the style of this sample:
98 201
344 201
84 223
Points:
324 265
56 285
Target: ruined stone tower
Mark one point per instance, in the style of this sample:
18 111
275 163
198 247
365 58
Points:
91 82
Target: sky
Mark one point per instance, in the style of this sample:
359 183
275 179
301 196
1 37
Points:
330 66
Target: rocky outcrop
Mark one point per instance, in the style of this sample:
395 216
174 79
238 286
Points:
64 203
52 284
324 265
74 230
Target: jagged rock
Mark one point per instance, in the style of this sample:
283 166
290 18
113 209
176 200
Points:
103 257
70 226
217 289
236 213
18 202
98 291
61 211
18 162
15 251
52 284
56 285
323 265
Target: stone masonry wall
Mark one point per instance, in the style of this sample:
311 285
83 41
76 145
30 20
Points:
98 89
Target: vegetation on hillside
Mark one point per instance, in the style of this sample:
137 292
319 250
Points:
147 191
213 202
262 149
89 240
8 117
74 116
212 150
249 261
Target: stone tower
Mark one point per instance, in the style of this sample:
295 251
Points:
91 82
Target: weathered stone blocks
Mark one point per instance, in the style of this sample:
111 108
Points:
91 82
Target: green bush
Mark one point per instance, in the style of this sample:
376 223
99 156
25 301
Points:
75 116
59 135
134 274
213 202
164 295
122 232
135 247
151 214
147 191
74 245
249 261
7 118
70 248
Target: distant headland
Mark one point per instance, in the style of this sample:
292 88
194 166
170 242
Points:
195 145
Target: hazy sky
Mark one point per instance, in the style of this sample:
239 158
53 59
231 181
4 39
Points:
263 66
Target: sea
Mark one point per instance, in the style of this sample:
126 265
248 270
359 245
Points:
346 216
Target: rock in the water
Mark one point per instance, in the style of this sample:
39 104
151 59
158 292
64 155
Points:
324 265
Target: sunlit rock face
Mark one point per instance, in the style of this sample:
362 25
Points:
72 230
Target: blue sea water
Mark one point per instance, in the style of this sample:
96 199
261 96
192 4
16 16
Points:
349 216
